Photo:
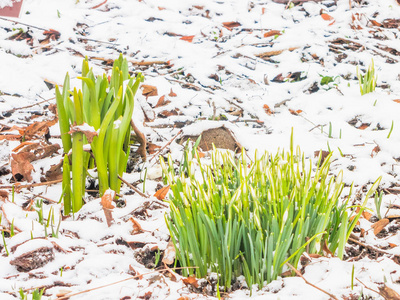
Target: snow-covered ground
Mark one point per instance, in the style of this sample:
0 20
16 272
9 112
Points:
254 66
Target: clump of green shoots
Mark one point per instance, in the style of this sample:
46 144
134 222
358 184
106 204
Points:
368 80
235 217
99 114
36 294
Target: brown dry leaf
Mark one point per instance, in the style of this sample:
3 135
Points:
191 280
149 90
142 141
351 219
55 172
375 151
187 38
325 249
272 33
172 94
327 17
168 113
295 112
161 8
391 245
135 273
137 228
263 10
106 203
367 215
87 130
37 129
378 226
162 102
385 291
266 55
397 100
375 23
169 254
51 35
267 110
162 193
153 148
363 126
184 298
393 217
4 194
230 25
21 166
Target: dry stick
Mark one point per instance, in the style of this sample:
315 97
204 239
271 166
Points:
28 106
123 280
367 287
166 145
305 280
17 22
372 248
21 186
132 187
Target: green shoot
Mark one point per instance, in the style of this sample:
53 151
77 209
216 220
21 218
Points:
367 81
378 204
391 129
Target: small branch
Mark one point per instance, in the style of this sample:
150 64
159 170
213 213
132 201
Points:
367 287
166 145
132 187
17 22
21 186
305 280
371 247
28 106
98 5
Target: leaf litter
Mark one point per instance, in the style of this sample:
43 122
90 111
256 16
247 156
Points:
177 45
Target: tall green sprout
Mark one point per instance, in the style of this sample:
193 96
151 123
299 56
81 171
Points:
107 106
368 80
235 217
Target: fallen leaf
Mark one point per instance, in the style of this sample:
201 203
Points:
327 17
325 249
375 151
4 194
37 129
363 126
162 193
21 167
149 90
385 291
153 148
137 228
352 218
263 10
87 130
314 255
267 110
397 100
169 254
135 273
391 245
378 226
272 33
142 141
184 298
191 280
55 172
375 23
106 203
367 215
168 113
172 94
162 102
230 25
295 112
187 38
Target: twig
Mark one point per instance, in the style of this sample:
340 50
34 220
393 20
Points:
132 187
28 106
166 145
21 186
45 198
113 283
305 280
367 287
17 22
371 247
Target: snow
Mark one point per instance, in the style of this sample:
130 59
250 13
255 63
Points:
151 30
